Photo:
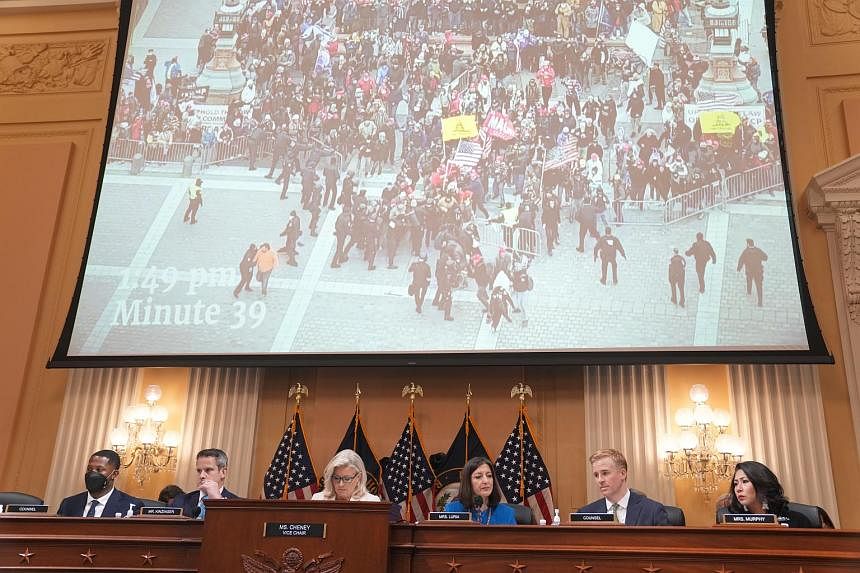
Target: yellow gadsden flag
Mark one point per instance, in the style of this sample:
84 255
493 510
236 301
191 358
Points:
719 122
459 127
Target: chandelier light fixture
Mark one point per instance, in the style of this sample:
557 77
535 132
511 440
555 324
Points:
702 451
143 442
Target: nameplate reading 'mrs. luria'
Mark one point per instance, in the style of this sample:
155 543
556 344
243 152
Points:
279 529
450 516
25 508
155 511
750 518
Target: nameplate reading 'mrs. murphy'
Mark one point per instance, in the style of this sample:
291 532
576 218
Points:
25 508
592 518
750 518
156 511
279 529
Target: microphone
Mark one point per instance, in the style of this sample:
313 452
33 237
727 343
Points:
195 513
477 501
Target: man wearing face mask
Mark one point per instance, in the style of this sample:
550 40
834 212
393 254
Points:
211 471
101 499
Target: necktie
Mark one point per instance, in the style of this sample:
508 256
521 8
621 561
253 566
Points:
615 507
202 507
92 510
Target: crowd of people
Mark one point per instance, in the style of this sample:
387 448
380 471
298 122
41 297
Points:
346 90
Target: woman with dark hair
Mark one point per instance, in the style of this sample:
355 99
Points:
480 495
756 489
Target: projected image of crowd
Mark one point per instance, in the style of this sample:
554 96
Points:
465 140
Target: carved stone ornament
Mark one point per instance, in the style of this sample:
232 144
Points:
292 561
837 18
52 68
833 200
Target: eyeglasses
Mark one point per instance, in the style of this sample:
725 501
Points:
344 479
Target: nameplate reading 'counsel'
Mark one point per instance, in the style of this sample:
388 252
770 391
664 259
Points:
592 518
155 511
279 529
25 508
450 516
750 519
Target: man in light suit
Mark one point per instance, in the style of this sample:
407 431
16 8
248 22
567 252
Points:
211 473
609 469
101 499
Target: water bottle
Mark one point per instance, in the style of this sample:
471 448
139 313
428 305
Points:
556 519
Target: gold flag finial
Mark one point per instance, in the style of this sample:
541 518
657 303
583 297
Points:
412 390
520 391
298 391
357 394
468 394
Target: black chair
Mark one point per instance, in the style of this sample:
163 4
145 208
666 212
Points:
676 515
151 503
810 512
522 514
16 497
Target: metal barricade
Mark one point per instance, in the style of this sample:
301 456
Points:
637 213
223 151
524 241
756 180
124 149
693 202
170 153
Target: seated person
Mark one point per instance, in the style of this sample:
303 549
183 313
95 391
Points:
609 468
755 489
211 471
345 479
169 493
480 495
101 499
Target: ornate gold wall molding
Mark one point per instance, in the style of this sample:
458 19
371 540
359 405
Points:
63 67
834 21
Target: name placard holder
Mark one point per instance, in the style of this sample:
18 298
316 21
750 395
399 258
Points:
156 511
450 516
25 508
593 519
766 519
281 529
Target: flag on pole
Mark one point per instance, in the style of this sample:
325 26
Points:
356 440
718 101
408 477
468 154
523 476
466 445
291 474
560 156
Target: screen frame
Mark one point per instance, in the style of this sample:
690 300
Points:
817 353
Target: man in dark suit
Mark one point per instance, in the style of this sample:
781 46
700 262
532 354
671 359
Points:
609 468
101 499
211 473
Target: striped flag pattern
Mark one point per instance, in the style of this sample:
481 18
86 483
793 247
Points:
408 477
718 101
523 476
560 156
468 154
291 474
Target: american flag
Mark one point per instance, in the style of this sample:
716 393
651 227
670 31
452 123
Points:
408 477
523 477
468 154
291 474
718 101
561 155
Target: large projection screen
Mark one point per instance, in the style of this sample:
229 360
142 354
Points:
441 182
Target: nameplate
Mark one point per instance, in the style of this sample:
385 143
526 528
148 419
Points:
280 529
25 508
450 516
750 519
156 511
592 518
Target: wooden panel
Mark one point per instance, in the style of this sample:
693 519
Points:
82 544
